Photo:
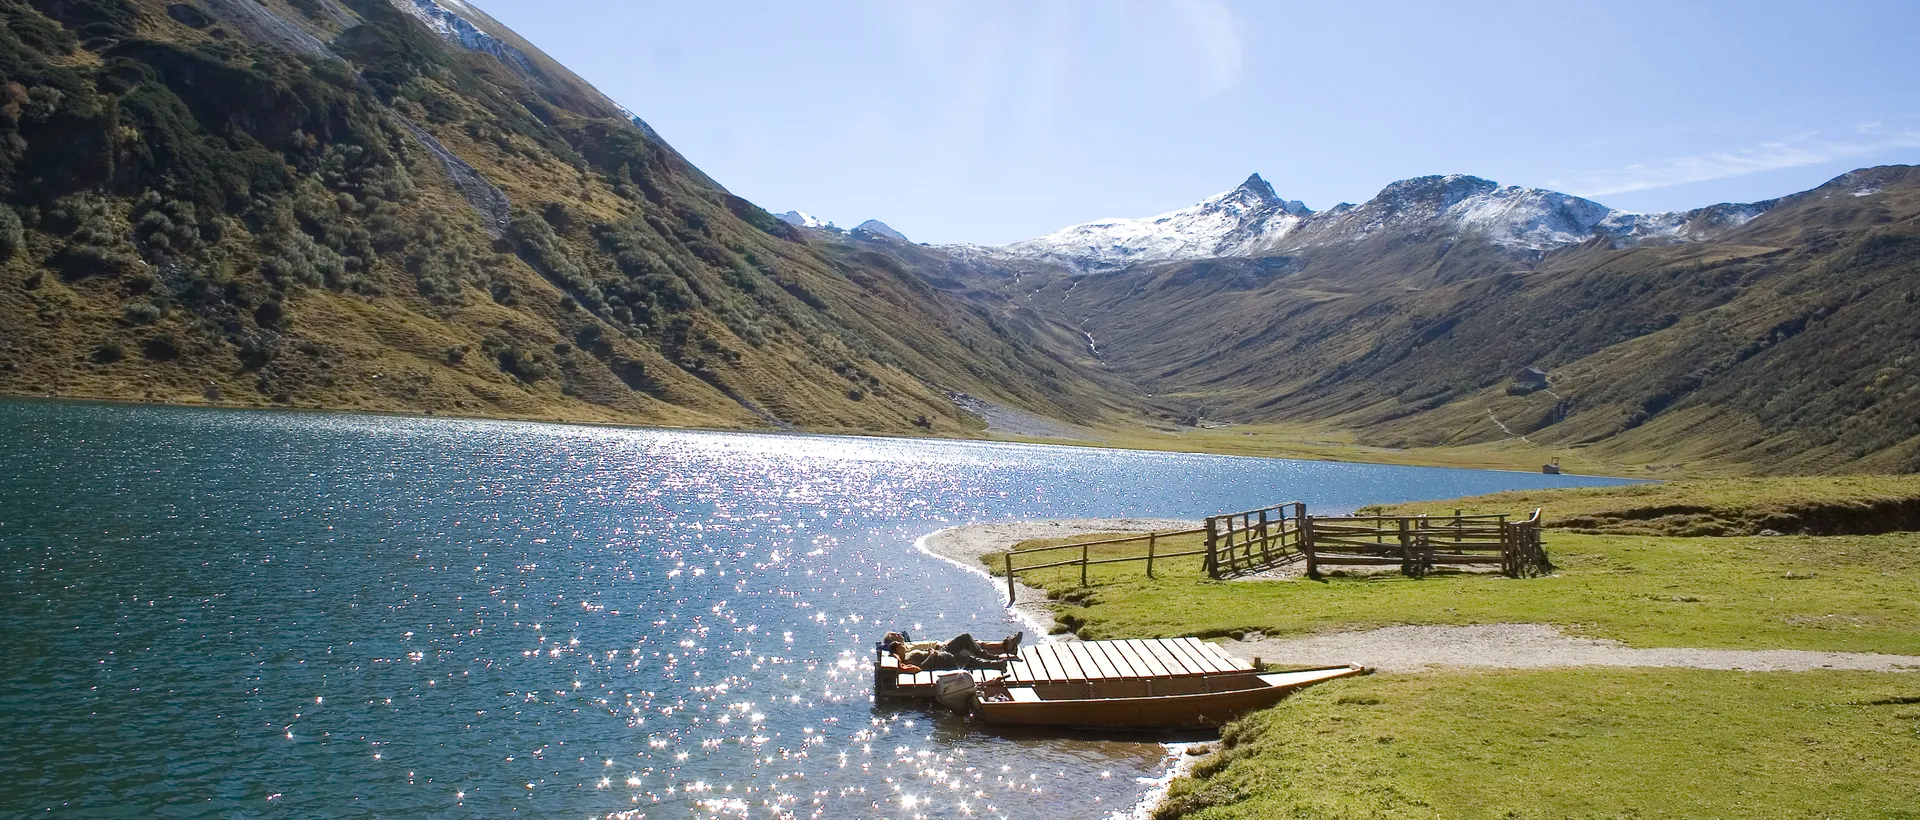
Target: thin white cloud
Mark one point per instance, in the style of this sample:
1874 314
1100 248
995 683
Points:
1793 152
1209 24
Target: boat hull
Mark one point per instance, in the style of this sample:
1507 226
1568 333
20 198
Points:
1205 710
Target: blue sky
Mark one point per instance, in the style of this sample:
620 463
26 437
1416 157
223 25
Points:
996 121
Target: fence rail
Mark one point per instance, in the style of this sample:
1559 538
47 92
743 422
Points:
1253 541
1085 560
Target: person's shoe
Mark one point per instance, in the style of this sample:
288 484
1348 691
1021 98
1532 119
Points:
1012 643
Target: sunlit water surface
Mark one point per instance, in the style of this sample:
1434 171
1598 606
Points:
251 614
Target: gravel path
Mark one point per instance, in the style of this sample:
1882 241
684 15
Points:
1395 648
1529 646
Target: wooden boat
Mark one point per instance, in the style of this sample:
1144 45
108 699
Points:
1201 702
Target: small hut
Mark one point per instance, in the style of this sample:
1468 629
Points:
1531 376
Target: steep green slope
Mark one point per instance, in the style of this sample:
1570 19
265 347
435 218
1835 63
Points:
326 204
1786 345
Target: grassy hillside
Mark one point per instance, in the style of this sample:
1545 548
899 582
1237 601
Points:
318 203
1782 346
1863 504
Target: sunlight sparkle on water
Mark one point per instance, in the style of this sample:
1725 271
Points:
458 595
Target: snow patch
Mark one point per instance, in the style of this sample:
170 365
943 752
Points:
800 219
448 23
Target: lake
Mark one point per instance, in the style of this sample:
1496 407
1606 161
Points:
220 613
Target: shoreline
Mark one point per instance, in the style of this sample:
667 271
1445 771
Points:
964 545
987 436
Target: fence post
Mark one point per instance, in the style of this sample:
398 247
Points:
1213 559
1010 595
1266 546
1083 565
1150 538
1406 549
1306 545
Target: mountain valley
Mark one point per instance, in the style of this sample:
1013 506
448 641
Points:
402 206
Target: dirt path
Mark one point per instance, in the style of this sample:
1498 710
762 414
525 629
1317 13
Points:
1530 646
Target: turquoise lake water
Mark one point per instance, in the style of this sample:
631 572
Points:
229 614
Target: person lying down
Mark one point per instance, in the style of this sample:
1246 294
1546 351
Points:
960 652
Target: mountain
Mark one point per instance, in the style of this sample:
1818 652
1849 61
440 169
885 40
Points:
402 205
875 227
1253 221
1778 337
1203 231
803 220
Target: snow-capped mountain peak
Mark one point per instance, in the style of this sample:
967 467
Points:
1252 220
878 228
1214 227
801 219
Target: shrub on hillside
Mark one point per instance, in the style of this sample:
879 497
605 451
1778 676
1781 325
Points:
542 249
12 236
141 313
108 352
526 364
97 242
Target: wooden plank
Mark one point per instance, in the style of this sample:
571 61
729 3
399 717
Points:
1212 659
1140 650
1167 658
1056 670
1132 654
1094 668
1187 658
1090 654
1106 661
1186 654
1018 669
1036 659
1069 664
1110 663
1120 660
1153 658
1233 663
1193 655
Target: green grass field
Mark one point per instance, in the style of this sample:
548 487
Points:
1731 506
1572 743
1839 593
1578 742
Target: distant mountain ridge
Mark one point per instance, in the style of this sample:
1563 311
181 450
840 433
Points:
1251 220
1779 335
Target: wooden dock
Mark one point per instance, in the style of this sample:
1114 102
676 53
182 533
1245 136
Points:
1142 661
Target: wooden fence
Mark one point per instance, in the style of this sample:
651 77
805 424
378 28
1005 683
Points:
1419 544
1244 543
1085 559
1256 540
